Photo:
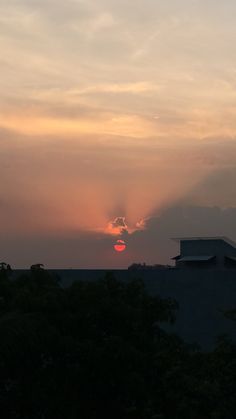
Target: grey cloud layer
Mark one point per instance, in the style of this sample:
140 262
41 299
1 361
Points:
56 182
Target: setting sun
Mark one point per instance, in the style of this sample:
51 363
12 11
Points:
120 246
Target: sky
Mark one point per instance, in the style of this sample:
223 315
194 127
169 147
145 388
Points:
117 121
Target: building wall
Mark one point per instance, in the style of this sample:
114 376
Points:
208 264
217 248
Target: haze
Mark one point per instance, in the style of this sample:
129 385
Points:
116 119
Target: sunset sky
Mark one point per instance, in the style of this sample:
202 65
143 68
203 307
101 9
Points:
117 120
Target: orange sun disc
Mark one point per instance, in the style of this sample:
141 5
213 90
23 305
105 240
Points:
120 246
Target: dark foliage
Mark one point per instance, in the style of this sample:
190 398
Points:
97 350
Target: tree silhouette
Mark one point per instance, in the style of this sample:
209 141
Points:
3 266
97 349
37 267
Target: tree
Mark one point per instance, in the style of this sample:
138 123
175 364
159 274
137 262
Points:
97 349
37 267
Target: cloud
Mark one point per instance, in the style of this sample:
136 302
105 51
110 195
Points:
81 55
218 188
119 222
117 227
134 88
95 249
113 109
154 244
66 183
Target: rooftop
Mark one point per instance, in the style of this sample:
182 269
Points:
223 238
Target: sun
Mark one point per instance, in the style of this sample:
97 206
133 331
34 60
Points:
119 246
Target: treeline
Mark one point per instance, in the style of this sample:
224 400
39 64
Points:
144 266
97 350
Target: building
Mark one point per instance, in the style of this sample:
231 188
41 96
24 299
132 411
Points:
206 252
